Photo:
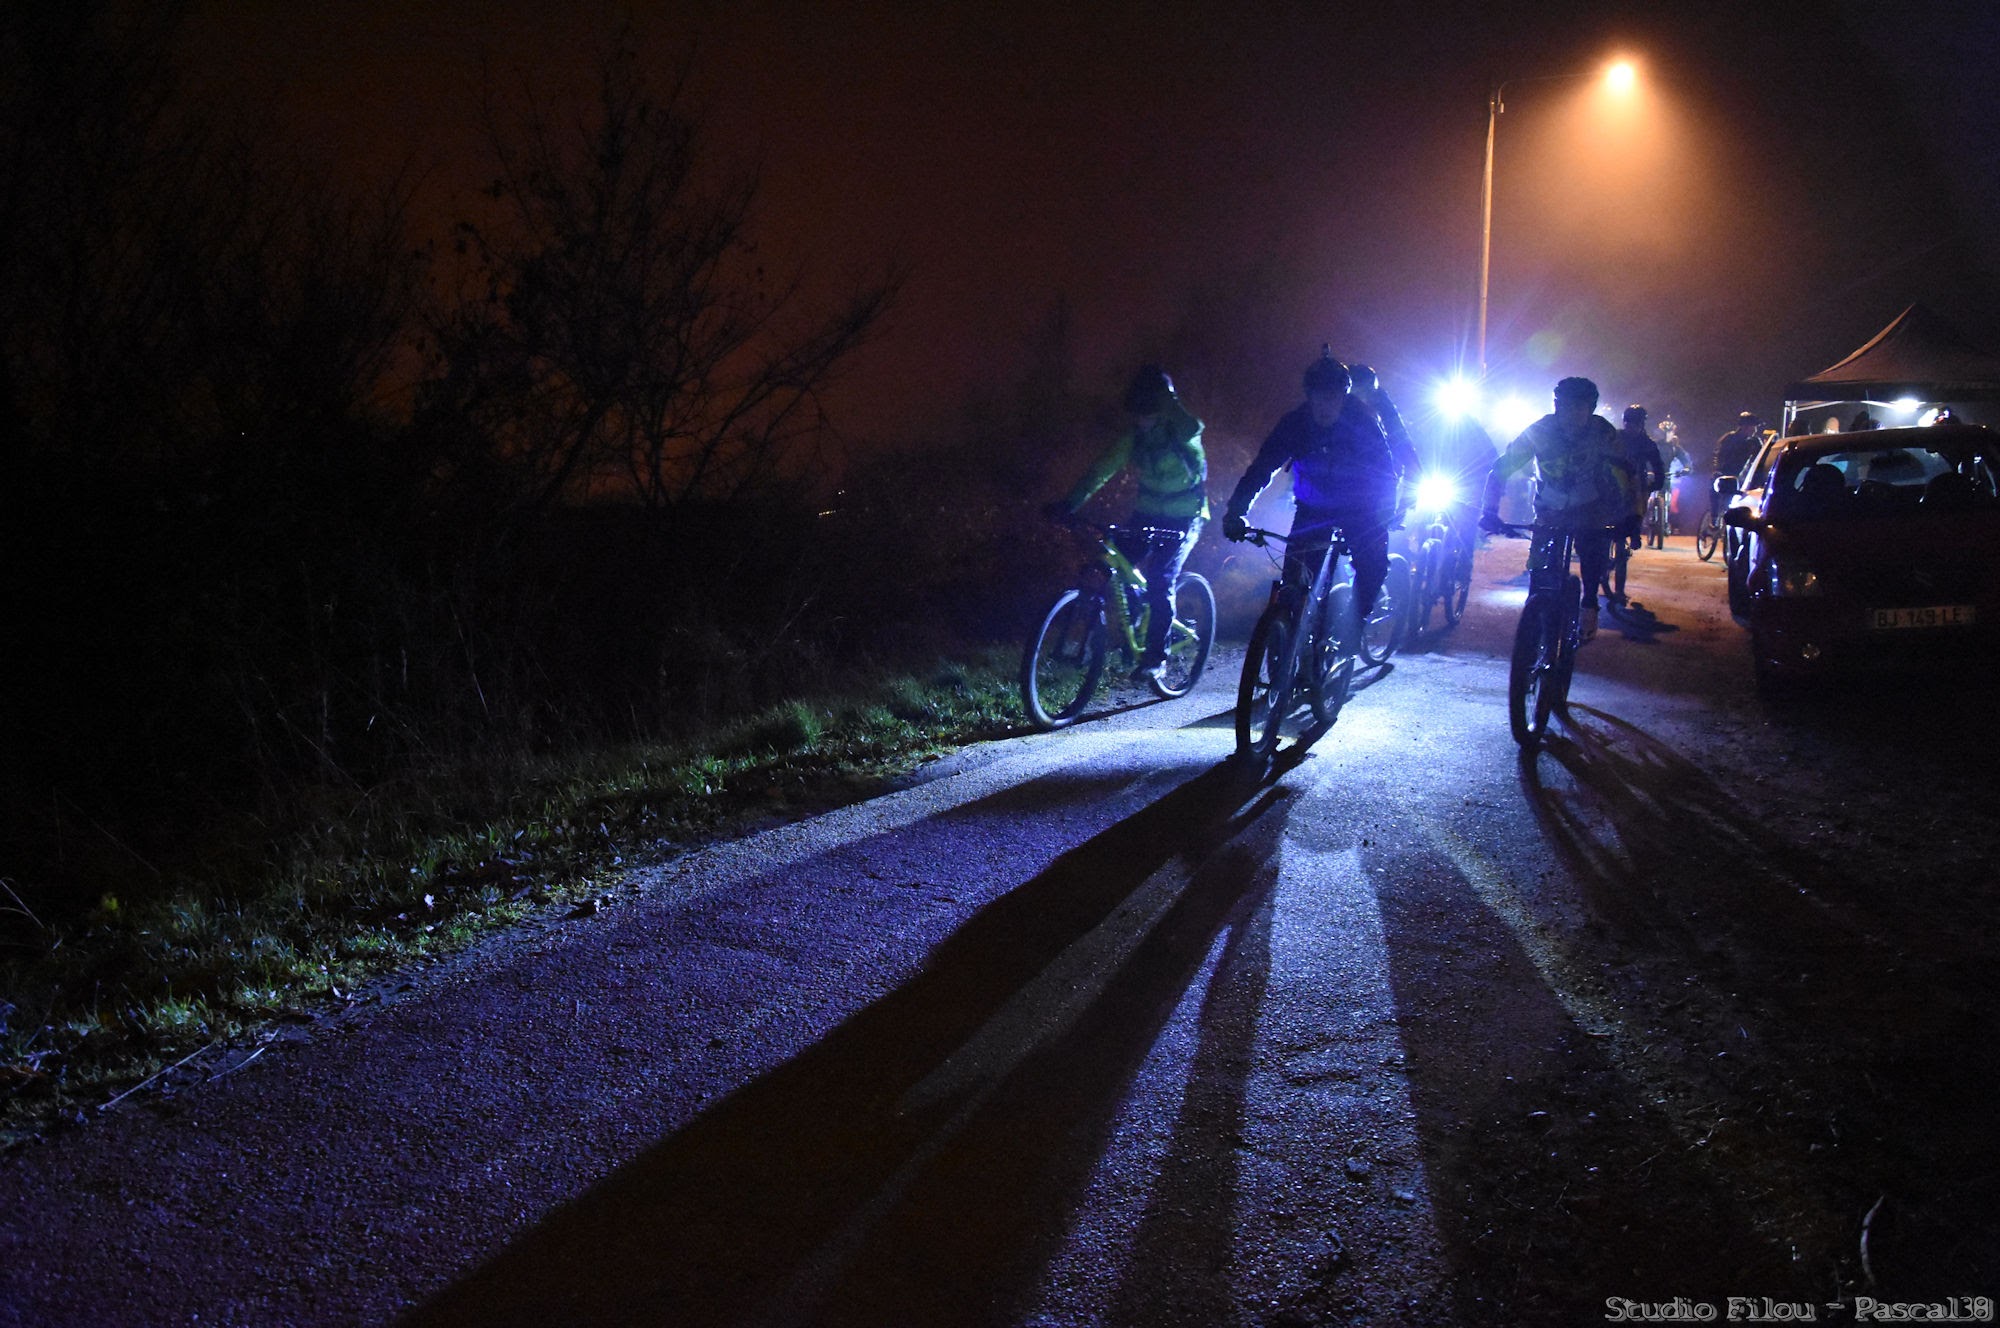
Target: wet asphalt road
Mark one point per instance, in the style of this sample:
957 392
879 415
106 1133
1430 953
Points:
1087 1028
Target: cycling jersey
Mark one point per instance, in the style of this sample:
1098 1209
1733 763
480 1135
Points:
1583 480
1345 465
1168 461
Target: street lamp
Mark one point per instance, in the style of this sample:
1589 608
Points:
1620 78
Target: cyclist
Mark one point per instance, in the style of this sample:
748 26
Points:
1367 389
1649 474
1342 476
1163 447
1732 453
1462 452
1584 481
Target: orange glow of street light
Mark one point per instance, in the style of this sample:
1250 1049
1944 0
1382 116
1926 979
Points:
1622 77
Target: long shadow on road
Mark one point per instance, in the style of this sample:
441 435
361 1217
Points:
844 1186
1844 1040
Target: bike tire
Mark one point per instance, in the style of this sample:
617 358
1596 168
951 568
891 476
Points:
1064 663
1189 640
1706 538
1263 695
1383 631
1527 676
1457 588
1565 643
1425 586
1333 659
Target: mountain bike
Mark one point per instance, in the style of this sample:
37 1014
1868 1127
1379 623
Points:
1441 573
1065 660
1300 651
1550 630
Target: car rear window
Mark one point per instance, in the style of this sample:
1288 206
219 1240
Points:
1883 481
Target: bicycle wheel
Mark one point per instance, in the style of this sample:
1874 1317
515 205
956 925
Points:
1064 663
1563 644
1333 656
1456 586
1424 585
1528 673
1263 697
1189 639
1707 537
1383 631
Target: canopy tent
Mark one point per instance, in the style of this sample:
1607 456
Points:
1918 355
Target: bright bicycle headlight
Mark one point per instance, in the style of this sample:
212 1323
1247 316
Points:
1435 492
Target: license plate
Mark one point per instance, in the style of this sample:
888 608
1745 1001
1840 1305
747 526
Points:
1936 615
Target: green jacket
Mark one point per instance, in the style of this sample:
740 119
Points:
1169 462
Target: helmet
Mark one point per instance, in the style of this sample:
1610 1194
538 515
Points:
1362 380
1577 389
1150 390
1746 419
1327 374
1635 414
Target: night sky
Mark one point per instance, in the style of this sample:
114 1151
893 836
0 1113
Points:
1230 185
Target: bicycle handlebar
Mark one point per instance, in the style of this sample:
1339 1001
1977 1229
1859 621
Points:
1512 531
1105 530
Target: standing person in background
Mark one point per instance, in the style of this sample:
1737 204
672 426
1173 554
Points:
1163 447
1732 452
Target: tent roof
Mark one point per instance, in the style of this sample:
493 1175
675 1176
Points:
1917 355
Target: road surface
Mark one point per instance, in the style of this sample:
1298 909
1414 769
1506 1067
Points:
1099 1027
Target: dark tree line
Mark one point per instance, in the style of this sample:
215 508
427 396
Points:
292 497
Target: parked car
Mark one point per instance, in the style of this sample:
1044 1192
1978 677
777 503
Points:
1747 492
1871 549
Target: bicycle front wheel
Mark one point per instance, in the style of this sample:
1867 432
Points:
1332 656
1383 630
1263 697
1706 537
1064 663
1529 674
1189 639
1455 569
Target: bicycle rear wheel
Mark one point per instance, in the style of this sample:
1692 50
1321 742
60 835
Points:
1064 663
1263 696
1529 680
1332 656
1383 631
1188 639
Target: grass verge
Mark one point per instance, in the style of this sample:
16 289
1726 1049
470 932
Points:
402 874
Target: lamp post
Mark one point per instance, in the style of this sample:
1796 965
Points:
1620 78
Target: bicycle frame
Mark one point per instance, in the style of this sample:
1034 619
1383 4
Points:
1127 623
1289 644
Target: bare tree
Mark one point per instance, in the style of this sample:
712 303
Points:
627 335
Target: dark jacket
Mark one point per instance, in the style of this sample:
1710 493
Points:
1346 467
1733 449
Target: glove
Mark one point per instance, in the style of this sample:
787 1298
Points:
1056 510
1629 528
1235 528
1490 522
